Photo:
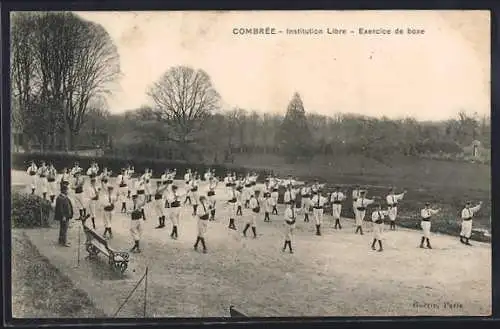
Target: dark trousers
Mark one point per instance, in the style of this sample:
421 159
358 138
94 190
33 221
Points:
63 231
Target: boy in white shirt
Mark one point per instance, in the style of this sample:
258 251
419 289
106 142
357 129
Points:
425 224
289 227
467 213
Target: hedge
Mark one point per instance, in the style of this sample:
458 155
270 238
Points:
21 161
29 210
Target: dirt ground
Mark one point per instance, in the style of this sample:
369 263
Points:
336 274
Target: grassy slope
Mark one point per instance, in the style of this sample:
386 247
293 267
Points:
446 184
40 290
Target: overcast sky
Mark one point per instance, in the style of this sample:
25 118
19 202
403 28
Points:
429 77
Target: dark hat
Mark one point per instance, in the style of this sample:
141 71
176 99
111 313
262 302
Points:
110 187
468 203
134 196
427 203
362 192
65 183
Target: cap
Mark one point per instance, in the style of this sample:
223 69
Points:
427 203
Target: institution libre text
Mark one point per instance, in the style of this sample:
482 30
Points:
367 31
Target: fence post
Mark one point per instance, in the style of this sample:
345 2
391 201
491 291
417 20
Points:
145 291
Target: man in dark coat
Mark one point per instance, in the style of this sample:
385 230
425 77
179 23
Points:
63 213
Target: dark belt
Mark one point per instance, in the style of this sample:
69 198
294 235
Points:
50 180
379 221
140 192
136 215
392 205
109 208
426 219
361 208
318 207
42 176
211 193
32 173
204 217
123 185
95 198
158 196
467 219
337 202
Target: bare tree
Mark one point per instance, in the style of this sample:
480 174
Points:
184 98
61 62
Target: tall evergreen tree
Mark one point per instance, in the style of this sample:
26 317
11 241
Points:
294 137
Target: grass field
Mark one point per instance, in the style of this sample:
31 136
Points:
446 184
336 274
40 290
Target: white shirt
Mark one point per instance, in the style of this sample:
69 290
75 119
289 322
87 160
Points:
293 193
305 191
139 185
427 213
337 196
33 168
393 199
269 204
163 177
288 196
363 202
253 203
469 212
42 170
91 171
75 170
107 197
379 214
355 194
289 214
187 177
318 201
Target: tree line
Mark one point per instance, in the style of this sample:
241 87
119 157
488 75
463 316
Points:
226 134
